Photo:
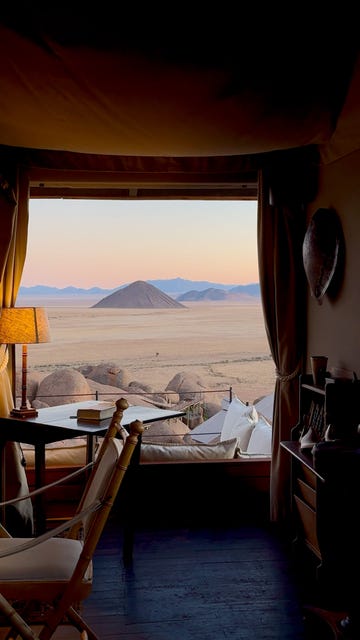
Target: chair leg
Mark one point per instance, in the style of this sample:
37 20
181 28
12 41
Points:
80 624
18 626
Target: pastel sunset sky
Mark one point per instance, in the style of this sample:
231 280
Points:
86 243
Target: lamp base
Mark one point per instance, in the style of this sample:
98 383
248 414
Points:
24 412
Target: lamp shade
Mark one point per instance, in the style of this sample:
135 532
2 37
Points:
24 325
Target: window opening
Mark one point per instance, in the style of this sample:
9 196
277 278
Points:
82 251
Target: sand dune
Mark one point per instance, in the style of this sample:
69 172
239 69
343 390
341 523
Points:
224 344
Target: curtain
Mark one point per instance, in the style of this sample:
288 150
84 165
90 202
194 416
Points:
13 243
8 212
281 222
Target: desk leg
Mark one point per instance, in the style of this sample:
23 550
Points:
90 448
40 516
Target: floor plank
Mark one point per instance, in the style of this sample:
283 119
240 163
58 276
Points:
187 584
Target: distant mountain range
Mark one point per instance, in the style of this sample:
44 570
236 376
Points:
241 293
174 287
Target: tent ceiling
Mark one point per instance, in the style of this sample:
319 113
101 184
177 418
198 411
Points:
93 85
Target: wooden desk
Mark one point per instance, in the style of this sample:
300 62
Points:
53 424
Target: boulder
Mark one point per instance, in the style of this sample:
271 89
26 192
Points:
211 409
154 396
187 385
173 431
33 379
140 386
110 374
62 387
107 392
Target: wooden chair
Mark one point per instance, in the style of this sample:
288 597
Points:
44 580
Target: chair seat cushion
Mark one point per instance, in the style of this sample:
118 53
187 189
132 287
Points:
53 559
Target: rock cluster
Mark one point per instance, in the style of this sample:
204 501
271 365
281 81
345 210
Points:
110 381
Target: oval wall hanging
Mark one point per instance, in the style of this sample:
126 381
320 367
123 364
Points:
321 251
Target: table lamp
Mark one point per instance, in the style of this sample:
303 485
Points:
24 325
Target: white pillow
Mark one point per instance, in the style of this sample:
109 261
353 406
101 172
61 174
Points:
239 422
151 452
260 439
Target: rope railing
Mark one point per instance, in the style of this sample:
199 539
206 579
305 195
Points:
138 392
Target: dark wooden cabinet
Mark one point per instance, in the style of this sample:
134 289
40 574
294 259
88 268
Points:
323 489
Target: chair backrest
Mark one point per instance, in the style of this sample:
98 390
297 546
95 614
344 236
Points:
93 485
104 486
112 461
98 488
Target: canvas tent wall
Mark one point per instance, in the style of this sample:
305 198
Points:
194 87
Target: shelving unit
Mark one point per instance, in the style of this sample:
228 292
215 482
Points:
336 404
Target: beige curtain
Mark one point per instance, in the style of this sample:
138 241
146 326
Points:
8 211
281 221
13 243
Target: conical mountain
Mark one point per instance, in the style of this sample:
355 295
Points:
139 295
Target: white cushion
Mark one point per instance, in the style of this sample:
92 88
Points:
239 422
54 559
208 430
260 439
65 453
265 407
153 452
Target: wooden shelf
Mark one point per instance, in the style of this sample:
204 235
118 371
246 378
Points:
304 457
310 387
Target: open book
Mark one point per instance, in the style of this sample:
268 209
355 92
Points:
96 411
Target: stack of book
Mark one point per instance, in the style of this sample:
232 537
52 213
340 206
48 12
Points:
96 411
316 418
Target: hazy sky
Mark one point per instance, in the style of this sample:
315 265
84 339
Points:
86 243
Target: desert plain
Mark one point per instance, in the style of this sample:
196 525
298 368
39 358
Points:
224 345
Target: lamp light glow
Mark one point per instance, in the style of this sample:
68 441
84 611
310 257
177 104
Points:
24 325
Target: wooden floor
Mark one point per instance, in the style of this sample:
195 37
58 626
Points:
193 583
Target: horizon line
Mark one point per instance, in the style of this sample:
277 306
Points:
89 288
